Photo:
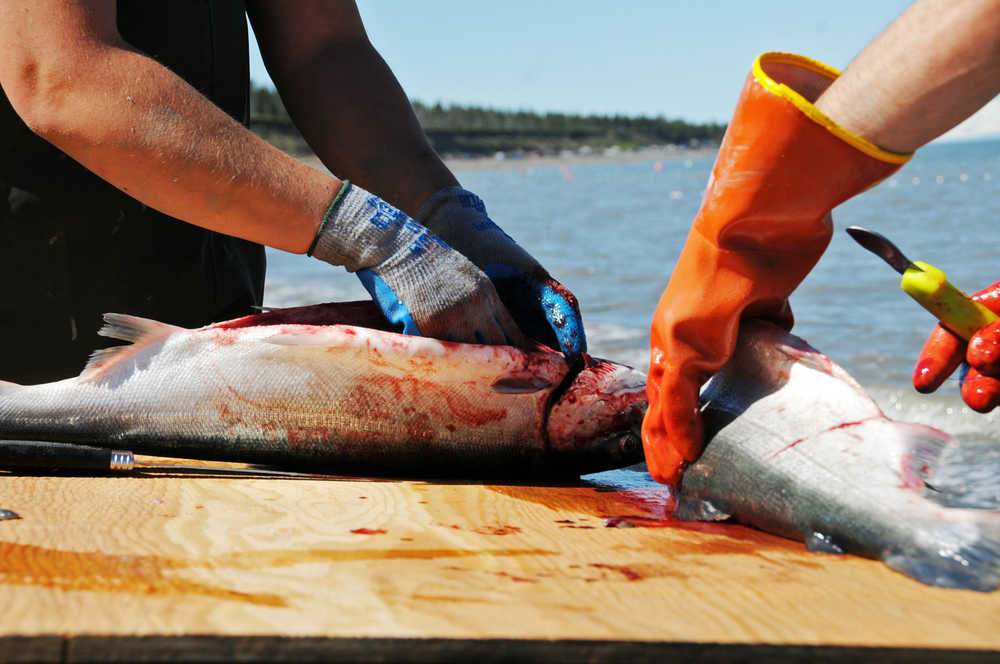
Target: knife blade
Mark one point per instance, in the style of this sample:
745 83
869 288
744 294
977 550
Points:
880 245
928 285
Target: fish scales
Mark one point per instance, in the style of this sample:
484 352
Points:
799 449
267 388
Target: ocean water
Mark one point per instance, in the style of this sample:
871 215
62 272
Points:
612 231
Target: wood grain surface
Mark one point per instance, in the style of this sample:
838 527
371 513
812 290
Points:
171 562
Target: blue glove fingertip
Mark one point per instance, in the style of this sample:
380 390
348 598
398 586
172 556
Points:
394 310
565 321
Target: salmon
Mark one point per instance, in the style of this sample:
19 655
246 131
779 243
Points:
333 386
798 448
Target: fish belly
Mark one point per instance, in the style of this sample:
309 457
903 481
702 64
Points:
330 393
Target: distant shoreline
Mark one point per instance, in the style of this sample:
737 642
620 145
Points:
576 158
566 159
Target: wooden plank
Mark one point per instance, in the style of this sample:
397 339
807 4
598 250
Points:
171 560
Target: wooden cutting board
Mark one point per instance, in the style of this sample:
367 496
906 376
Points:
194 568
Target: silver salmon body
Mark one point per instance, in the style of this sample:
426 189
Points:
799 449
329 386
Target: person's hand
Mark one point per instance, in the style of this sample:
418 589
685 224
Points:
413 275
542 307
763 223
944 351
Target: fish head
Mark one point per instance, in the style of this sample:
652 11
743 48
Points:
595 423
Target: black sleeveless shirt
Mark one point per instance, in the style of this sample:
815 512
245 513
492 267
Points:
73 246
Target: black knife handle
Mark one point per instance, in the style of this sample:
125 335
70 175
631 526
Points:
50 456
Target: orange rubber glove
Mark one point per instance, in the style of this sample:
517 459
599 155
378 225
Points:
944 351
764 222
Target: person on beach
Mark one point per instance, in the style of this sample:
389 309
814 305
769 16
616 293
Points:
121 120
802 140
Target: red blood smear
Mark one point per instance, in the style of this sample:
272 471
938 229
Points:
362 314
628 573
843 425
497 530
644 508
368 531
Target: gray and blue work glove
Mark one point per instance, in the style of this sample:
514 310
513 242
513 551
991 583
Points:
541 306
413 275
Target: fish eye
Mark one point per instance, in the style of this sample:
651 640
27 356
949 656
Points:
628 445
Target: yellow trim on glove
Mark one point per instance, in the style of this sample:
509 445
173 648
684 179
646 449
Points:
813 113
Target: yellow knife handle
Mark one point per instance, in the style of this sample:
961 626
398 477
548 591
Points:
957 311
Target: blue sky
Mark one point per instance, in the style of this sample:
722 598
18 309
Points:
639 57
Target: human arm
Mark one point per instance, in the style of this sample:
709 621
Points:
353 113
932 68
951 51
75 82
929 70
346 101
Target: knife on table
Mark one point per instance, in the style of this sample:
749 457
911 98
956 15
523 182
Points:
43 455
929 286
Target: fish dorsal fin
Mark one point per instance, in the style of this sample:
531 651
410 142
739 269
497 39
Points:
140 332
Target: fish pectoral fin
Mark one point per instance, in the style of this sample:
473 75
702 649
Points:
698 509
520 384
823 543
139 331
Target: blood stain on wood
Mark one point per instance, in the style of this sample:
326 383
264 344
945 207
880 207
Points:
28 565
646 508
497 530
31 565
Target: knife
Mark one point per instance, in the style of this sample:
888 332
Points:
929 286
39 455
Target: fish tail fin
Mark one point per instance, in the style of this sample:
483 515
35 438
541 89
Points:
960 546
966 474
964 553
140 332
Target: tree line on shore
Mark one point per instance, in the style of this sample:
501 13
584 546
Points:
474 131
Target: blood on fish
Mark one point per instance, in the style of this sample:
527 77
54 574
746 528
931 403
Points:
843 425
224 338
368 531
256 397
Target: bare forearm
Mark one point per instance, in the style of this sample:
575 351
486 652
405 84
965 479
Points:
140 127
932 68
376 140
347 102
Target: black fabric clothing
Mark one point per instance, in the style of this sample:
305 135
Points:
73 246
